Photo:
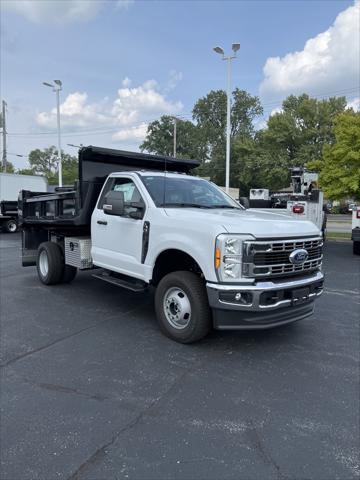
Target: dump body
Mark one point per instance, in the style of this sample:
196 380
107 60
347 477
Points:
69 209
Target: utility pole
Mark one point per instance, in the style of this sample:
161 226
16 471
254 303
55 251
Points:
3 121
175 119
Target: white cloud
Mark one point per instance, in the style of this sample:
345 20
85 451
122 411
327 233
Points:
354 104
126 82
60 11
55 11
76 112
134 134
328 63
174 78
275 111
125 4
127 115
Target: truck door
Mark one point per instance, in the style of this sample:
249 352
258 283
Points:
117 240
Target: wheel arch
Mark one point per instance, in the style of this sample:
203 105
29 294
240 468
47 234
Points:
172 260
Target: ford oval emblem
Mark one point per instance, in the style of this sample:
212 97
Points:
299 256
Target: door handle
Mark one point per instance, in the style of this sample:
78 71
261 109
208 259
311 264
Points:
102 222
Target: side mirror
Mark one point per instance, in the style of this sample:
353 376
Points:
244 201
114 203
137 214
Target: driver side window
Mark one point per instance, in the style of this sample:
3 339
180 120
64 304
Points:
129 189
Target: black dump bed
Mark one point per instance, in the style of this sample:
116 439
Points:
69 209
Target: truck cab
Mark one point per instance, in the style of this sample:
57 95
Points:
210 262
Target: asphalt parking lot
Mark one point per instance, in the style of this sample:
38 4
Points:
90 389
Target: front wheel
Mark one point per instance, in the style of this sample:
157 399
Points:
182 307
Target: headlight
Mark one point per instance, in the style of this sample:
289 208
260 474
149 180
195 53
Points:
228 255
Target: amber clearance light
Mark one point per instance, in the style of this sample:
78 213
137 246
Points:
217 258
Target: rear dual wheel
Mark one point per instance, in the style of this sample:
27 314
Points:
51 267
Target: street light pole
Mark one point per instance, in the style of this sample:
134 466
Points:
59 135
235 48
174 137
228 126
56 86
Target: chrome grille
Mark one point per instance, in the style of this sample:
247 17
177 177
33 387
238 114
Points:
269 259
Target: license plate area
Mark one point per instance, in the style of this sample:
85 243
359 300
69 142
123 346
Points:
300 295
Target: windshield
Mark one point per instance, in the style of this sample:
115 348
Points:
186 192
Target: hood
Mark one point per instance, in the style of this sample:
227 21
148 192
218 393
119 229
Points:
257 223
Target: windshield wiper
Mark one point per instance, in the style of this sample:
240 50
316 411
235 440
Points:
224 206
185 205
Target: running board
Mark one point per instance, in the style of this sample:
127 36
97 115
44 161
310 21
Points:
123 281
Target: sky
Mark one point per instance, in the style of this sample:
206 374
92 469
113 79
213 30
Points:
124 63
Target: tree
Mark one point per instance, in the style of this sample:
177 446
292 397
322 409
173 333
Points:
160 138
45 162
9 167
255 167
340 167
302 128
210 115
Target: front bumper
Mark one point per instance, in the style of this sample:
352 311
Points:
264 304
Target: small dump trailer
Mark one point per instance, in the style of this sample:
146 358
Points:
10 186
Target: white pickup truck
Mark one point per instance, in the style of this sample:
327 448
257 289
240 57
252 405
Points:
213 263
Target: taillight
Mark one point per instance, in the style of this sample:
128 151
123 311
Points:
298 209
358 213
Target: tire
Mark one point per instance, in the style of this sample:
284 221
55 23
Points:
69 273
10 226
356 248
324 234
182 307
50 263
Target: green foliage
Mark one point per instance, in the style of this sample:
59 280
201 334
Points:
256 167
340 166
160 138
209 113
293 137
302 128
9 167
45 162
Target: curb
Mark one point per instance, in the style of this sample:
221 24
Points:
338 240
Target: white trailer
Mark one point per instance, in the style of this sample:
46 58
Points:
355 230
11 185
305 202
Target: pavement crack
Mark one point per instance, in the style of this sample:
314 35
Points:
258 443
100 453
62 389
66 337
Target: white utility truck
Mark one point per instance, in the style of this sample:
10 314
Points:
355 230
306 201
10 186
143 221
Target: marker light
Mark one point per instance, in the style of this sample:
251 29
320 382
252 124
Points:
298 209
